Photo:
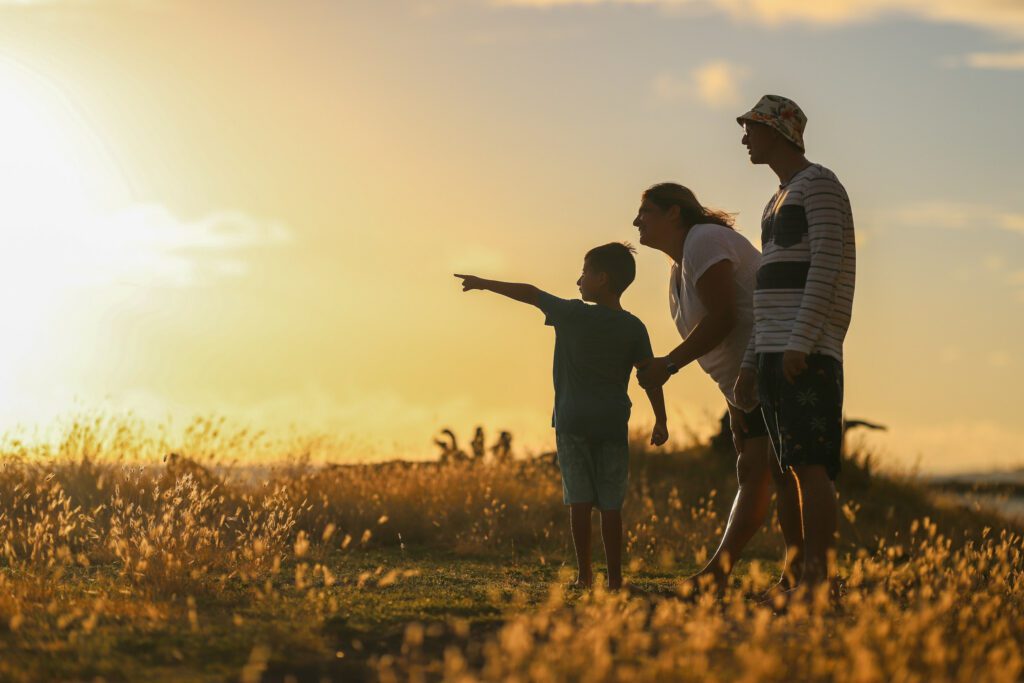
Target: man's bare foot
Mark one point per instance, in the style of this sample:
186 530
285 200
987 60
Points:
784 585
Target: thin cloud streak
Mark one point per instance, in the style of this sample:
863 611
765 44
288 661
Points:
999 16
1002 61
958 216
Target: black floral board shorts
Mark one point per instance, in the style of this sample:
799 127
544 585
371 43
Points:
805 419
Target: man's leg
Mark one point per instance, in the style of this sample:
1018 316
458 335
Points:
579 522
818 505
611 534
749 508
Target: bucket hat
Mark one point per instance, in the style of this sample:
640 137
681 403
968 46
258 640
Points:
782 114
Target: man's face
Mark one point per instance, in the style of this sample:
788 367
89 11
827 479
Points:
591 282
760 140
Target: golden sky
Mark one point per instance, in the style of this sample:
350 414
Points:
253 209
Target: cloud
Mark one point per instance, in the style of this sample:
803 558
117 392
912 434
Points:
152 244
957 216
1005 61
716 84
143 244
1004 17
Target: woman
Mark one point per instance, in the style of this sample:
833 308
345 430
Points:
711 299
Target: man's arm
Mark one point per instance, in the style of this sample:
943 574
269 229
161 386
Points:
825 203
528 294
717 292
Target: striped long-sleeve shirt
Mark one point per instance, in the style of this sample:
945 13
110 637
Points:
804 293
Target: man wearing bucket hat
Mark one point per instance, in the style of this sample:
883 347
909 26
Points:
802 305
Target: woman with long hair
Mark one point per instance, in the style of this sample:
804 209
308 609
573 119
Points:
713 271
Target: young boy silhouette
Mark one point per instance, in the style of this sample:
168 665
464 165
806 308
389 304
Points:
597 345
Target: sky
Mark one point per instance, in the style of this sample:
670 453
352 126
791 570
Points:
254 209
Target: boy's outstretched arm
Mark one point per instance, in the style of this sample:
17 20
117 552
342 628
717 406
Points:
528 294
659 434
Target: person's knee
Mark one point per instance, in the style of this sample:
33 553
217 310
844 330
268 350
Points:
752 464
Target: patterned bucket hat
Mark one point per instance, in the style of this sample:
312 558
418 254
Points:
780 113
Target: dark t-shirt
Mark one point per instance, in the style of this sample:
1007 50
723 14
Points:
596 349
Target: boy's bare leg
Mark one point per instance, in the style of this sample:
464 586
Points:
820 517
579 522
611 534
749 509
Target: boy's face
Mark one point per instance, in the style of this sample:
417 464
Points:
591 283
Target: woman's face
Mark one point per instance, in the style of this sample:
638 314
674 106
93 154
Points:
655 224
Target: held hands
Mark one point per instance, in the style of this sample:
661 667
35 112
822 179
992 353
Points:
793 365
470 282
653 372
659 434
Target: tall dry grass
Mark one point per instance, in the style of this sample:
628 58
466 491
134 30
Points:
933 593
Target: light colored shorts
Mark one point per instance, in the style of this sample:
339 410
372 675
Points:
593 470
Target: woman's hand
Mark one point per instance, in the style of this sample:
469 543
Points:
653 373
738 427
746 387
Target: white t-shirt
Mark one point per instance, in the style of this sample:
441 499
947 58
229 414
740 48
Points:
707 244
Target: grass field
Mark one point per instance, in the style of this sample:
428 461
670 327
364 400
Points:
119 565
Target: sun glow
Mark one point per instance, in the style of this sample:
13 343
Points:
57 180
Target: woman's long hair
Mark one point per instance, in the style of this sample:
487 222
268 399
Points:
691 212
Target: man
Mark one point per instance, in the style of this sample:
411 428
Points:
802 305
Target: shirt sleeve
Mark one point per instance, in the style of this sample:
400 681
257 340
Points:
704 249
826 206
643 350
557 311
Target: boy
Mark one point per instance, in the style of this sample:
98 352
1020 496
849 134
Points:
596 348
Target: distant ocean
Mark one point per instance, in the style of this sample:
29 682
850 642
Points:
1002 492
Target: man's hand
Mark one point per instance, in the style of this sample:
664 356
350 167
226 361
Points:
653 373
470 282
746 387
793 365
738 426
659 434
